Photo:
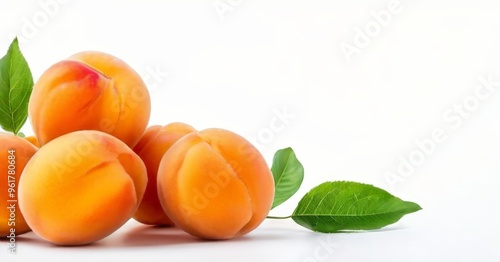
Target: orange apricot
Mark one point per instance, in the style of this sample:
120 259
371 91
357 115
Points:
151 148
15 153
214 184
81 187
33 140
90 91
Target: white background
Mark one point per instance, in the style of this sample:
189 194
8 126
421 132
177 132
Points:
352 117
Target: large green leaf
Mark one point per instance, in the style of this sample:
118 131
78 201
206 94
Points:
335 206
16 84
288 174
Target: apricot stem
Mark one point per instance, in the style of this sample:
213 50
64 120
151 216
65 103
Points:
271 217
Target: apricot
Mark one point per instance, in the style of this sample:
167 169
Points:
151 148
214 184
33 140
15 152
90 91
81 187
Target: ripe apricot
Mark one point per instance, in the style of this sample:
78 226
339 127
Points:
90 91
15 152
81 187
151 148
33 140
214 184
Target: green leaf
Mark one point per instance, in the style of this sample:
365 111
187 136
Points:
288 174
16 84
334 206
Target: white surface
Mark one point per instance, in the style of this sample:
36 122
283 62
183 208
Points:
350 120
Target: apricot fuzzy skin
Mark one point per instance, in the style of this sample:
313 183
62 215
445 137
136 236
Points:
90 91
151 148
33 140
214 184
15 153
81 187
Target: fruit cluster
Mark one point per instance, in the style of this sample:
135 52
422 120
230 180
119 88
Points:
93 163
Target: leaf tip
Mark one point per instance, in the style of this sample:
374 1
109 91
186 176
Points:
412 207
14 43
